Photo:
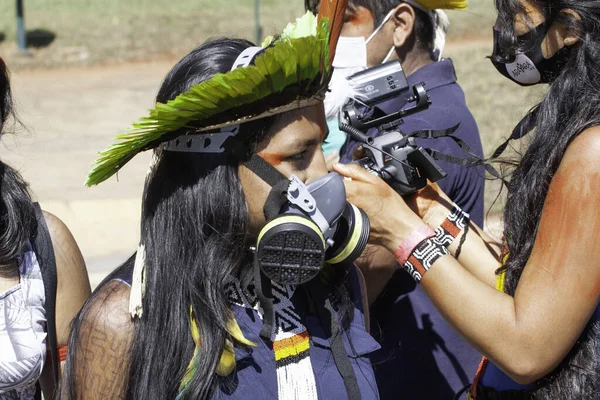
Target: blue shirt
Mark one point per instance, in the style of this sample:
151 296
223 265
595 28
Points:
255 374
421 356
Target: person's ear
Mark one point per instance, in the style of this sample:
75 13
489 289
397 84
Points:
404 22
562 33
569 34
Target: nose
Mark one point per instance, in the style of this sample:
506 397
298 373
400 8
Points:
497 26
317 168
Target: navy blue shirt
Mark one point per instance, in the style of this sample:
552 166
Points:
421 356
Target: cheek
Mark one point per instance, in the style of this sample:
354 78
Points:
256 192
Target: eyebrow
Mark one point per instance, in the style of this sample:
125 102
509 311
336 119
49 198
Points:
302 144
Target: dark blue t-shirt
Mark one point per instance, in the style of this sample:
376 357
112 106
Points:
421 356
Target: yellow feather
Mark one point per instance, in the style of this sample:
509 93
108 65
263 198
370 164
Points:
234 330
227 361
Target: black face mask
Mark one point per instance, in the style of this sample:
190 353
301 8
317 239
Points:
530 67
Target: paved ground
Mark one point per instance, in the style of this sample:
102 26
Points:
70 115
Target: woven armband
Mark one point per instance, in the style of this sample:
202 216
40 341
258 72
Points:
423 257
452 226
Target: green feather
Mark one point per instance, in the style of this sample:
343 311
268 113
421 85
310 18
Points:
291 60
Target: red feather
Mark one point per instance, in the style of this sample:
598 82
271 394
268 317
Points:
334 11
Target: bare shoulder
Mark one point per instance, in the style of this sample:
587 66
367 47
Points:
579 169
108 312
584 149
65 246
73 285
102 344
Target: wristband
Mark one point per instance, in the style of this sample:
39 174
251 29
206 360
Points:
409 244
452 226
423 257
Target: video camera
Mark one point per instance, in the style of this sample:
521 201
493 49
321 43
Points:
391 155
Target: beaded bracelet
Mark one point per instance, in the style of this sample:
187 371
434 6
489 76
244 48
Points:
423 257
452 226
417 259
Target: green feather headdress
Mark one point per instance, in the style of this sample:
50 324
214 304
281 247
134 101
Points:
292 72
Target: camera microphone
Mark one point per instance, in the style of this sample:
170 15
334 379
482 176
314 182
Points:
354 133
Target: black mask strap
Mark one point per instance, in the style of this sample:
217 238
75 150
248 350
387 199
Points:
265 298
275 179
329 320
265 171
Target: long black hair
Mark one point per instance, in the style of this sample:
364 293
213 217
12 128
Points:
195 229
571 105
17 215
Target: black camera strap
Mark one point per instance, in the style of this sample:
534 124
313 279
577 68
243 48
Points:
524 127
472 160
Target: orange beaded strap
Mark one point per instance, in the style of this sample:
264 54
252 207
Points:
62 353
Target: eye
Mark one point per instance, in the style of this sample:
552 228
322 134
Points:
297 157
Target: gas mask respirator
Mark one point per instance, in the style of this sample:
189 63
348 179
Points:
315 225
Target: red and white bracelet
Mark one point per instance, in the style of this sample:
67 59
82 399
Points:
409 244
423 247
452 226
423 257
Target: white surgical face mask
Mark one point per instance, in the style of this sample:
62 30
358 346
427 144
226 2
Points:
351 52
350 57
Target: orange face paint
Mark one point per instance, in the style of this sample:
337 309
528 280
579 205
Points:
274 159
361 16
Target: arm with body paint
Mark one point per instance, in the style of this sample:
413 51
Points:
526 336
101 349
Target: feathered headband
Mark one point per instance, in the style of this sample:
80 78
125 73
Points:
292 72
